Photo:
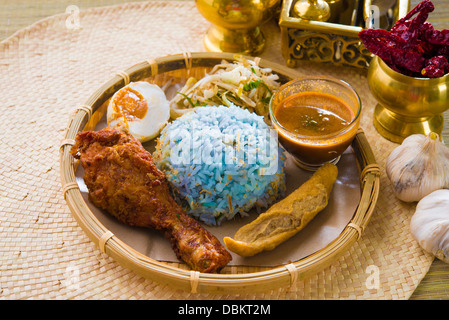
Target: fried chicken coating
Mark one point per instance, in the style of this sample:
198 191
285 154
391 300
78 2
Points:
123 180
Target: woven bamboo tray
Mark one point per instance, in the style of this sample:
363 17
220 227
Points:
178 275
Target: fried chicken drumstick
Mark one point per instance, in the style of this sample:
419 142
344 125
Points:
123 180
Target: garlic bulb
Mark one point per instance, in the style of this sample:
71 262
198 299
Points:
418 166
430 224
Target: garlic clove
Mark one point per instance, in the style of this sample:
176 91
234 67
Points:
430 224
418 166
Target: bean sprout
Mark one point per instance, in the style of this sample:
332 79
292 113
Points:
242 83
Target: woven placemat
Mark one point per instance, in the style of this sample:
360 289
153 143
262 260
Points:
48 69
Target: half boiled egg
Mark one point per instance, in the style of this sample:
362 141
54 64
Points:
140 108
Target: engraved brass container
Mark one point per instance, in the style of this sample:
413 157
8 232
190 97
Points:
336 40
235 24
406 105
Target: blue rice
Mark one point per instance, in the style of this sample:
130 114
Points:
221 161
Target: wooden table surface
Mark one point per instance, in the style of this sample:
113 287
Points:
17 14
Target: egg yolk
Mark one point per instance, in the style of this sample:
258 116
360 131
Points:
130 104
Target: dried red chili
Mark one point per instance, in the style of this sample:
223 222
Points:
412 47
435 67
393 50
437 37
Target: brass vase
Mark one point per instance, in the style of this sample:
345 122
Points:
236 24
406 105
317 10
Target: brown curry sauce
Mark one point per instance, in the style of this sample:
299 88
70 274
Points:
315 115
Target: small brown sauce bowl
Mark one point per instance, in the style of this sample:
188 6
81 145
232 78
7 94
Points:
316 119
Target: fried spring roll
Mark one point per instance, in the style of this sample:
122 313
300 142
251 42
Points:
287 217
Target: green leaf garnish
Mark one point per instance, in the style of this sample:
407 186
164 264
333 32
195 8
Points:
252 85
189 100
